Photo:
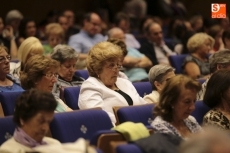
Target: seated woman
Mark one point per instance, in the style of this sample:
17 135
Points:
29 47
55 35
196 64
175 105
7 82
217 98
104 88
40 72
34 110
67 57
158 76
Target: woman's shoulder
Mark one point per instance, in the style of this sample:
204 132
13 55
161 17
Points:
17 147
152 97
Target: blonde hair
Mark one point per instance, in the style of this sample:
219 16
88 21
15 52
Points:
34 69
54 28
170 94
198 40
27 47
99 54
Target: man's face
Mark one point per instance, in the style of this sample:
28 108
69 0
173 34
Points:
93 25
155 34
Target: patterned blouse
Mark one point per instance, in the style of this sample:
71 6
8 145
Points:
161 126
216 118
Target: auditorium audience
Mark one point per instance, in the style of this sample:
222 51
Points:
7 82
104 88
176 103
29 47
216 32
41 72
67 57
135 62
217 97
55 35
158 77
218 61
34 110
196 64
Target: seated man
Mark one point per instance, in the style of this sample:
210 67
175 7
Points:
135 62
88 36
155 48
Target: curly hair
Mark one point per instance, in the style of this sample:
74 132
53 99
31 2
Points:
99 54
119 43
35 68
170 94
31 102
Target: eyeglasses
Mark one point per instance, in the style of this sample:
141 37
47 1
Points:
4 58
51 75
114 66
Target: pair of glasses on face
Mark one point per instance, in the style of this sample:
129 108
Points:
51 75
5 58
114 66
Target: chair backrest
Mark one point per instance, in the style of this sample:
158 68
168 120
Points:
200 110
82 73
8 100
138 113
128 148
143 88
177 61
71 95
7 128
69 126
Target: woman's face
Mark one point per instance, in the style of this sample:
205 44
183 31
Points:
110 72
47 81
31 29
54 40
185 104
38 126
204 49
161 85
67 69
4 62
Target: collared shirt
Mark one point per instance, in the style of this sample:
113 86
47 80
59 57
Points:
131 41
162 53
82 42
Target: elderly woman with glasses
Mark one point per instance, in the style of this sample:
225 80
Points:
7 82
104 88
40 72
67 57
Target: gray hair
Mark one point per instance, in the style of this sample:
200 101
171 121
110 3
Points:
62 53
112 31
157 72
220 57
13 14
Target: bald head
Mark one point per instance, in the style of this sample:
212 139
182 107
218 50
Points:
116 33
92 23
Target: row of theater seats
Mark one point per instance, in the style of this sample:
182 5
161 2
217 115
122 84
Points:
95 124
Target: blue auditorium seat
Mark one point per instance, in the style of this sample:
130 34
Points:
143 88
71 95
200 110
128 148
136 114
7 127
69 126
177 61
82 73
8 100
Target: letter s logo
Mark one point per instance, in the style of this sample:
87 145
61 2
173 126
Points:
215 8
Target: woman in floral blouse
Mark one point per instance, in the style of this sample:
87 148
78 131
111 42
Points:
177 101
